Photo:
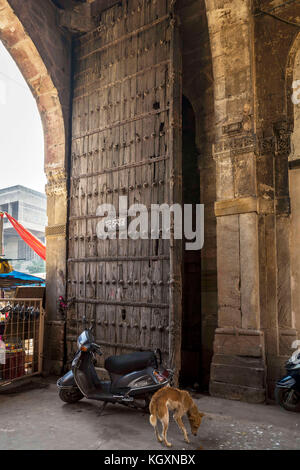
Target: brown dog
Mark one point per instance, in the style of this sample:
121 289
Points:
178 401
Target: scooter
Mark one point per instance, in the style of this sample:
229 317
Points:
287 391
134 377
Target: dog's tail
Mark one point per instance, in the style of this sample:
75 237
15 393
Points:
153 418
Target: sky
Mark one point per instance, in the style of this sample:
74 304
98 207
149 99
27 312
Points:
21 132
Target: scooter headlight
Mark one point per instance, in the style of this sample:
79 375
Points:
84 341
81 347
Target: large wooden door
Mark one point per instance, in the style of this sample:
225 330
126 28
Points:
126 141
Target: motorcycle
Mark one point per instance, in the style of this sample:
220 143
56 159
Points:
287 391
134 377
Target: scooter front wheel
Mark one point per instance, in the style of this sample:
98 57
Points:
288 398
70 396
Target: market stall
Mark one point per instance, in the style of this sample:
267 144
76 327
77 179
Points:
21 330
21 319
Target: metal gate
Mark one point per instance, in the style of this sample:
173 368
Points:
126 141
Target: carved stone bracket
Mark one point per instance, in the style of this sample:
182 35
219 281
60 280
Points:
234 146
283 143
282 132
57 182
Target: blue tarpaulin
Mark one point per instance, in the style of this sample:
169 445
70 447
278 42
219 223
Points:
16 278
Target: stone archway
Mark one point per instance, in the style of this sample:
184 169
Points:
25 53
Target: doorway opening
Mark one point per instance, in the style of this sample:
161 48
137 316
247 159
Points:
22 179
190 375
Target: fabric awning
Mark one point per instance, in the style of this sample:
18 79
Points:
16 278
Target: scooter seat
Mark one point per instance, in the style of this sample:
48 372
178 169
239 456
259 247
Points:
127 363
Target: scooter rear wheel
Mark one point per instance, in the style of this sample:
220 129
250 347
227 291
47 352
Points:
70 396
288 398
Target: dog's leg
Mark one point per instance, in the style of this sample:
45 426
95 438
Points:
158 436
178 420
154 423
165 423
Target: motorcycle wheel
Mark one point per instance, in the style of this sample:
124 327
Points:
288 398
70 396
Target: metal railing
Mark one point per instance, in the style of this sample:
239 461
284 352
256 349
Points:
22 331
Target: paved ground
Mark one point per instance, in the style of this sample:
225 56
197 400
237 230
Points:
37 419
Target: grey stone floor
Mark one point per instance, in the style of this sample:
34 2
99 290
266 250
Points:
35 418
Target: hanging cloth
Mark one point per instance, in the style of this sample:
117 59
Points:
28 238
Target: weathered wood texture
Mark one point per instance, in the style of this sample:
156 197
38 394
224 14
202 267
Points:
126 142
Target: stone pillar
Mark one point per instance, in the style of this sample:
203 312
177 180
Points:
238 367
256 327
56 191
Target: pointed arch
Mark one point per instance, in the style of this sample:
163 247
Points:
24 52
37 74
